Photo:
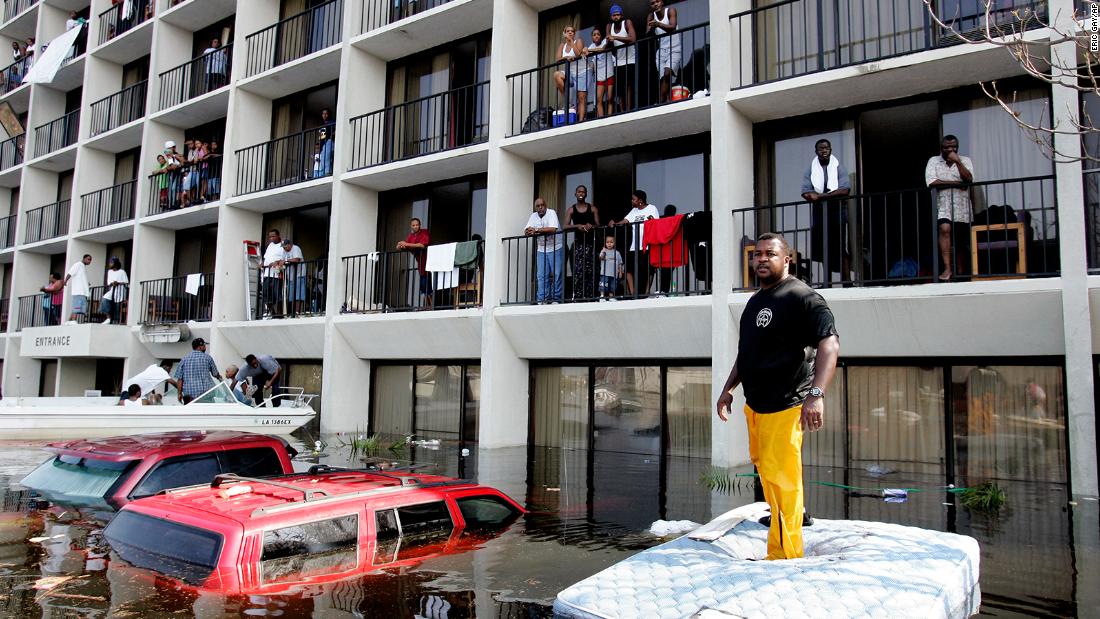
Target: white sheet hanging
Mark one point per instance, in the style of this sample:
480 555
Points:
47 63
194 282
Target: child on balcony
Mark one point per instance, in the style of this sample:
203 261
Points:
611 269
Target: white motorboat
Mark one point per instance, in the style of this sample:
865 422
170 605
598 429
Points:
217 409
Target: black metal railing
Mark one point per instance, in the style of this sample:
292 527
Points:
177 299
796 37
7 231
295 37
11 151
1091 180
39 310
196 77
108 206
193 183
391 281
562 92
452 119
80 46
292 290
378 13
123 17
577 266
1004 228
57 134
100 309
13 8
47 222
12 75
5 309
126 105
286 160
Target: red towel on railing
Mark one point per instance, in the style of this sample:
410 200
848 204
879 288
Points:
665 239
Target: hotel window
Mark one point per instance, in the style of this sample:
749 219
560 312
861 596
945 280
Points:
430 401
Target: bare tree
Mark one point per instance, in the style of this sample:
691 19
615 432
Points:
1036 42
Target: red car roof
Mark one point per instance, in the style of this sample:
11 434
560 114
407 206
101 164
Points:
137 446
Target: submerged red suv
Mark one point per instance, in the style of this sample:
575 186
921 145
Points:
113 471
244 535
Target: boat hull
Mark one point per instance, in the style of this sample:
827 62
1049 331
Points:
100 421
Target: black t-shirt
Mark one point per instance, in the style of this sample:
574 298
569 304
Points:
780 330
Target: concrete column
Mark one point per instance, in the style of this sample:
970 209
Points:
346 385
511 182
731 187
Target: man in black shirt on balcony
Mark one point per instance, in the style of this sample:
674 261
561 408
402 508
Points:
784 385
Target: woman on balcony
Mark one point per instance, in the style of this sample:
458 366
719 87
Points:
573 53
583 218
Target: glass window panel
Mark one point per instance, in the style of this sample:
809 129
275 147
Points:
473 403
1009 423
391 399
688 405
438 401
680 181
826 448
994 141
628 409
896 420
561 407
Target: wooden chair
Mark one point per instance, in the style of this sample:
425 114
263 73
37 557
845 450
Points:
462 292
1006 246
163 309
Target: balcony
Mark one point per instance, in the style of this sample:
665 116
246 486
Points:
98 310
295 37
390 281
12 75
378 13
38 310
108 206
538 275
798 37
123 107
14 8
47 222
11 151
177 299
560 94
287 160
196 77
893 238
298 291
113 22
188 185
432 124
7 233
57 134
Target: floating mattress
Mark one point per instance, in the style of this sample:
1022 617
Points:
850 569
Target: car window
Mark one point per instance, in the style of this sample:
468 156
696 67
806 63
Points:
252 462
424 518
177 472
404 530
486 511
178 550
73 477
311 538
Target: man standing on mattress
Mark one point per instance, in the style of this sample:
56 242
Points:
784 382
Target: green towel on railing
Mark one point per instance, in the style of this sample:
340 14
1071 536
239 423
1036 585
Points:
466 254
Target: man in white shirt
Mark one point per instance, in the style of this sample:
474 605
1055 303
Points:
951 174
78 275
637 262
294 274
272 269
216 62
550 257
116 292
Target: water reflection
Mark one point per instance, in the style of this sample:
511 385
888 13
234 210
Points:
588 511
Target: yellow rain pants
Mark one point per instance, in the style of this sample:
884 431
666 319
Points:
775 446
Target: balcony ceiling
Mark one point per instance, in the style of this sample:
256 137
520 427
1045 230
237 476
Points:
197 14
449 22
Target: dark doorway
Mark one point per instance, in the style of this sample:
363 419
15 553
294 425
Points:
108 376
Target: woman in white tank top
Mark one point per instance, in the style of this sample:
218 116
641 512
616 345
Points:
663 21
573 51
620 31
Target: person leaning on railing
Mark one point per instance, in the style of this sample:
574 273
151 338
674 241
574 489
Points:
550 256
951 174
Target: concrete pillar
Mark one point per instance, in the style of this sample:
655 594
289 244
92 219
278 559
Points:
346 385
504 376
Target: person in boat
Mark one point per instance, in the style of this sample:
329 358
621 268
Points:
265 372
132 397
784 385
194 372
236 386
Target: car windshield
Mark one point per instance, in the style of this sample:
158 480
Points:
220 394
170 548
76 477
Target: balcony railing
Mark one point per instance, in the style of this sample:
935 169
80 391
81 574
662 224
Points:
286 160
295 37
566 92
391 281
196 77
11 151
1005 228
13 8
7 231
378 13
126 105
1092 219
12 75
38 310
292 291
108 206
57 134
5 305
569 266
796 37
100 311
188 185
431 124
48 222
177 299
114 21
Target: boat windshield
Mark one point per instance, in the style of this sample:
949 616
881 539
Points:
76 477
220 394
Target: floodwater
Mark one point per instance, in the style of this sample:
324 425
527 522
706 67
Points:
1040 555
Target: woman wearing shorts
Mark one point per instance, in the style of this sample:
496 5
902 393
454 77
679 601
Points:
621 34
603 65
572 51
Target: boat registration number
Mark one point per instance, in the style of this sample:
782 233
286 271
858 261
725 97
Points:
274 422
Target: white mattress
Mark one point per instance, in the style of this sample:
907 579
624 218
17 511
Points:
850 569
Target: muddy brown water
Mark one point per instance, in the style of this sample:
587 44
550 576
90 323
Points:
588 510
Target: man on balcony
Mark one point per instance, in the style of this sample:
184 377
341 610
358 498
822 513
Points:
950 174
116 292
294 275
550 257
417 243
826 179
215 65
78 275
272 272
